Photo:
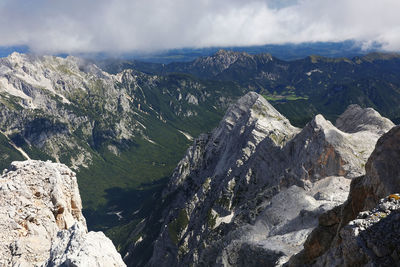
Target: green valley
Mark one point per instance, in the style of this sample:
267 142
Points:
124 132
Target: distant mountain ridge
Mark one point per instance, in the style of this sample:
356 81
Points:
131 126
301 88
135 126
289 51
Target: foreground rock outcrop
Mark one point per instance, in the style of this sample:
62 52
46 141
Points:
372 239
41 221
250 192
77 247
331 243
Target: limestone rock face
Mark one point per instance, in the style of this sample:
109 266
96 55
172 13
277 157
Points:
372 239
76 247
234 141
382 170
256 186
321 150
221 61
356 119
62 105
381 179
38 201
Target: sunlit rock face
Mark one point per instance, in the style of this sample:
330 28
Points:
39 204
256 185
367 222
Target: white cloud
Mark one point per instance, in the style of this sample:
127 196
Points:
74 26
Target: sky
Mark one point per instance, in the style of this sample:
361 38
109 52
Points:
121 26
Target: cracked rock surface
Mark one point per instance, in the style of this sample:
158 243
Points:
39 204
255 186
364 229
372 239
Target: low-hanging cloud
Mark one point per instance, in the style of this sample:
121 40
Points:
117 26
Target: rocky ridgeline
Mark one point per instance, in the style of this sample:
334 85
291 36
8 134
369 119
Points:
215 65
45 101
42 223
250 192
68 106
365 229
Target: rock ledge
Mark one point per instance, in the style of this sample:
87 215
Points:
40 208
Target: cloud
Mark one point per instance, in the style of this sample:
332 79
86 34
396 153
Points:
81 26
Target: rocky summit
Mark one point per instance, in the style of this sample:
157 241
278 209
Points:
42 223
250 192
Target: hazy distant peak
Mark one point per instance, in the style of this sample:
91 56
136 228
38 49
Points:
380 56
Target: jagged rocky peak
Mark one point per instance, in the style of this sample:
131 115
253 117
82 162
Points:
222 53
246 123
351 227
255 186
48 101
25 61
322 150
35 78
224 59
356 119
39 203
256 117
221 61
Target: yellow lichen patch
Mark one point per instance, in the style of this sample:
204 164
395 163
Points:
24 230
380 214
394 197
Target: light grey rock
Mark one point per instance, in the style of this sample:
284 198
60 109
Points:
235 140
255 186
357 119
191 99
321 150
67 106
219 62
372 239
39 201
336 241
76 247
41 92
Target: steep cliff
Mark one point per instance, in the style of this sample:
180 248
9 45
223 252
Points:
371 239
40 208
130 125
251 191
337 235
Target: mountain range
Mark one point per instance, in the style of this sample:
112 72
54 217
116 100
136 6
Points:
288 51
124 126
302 88
250 192
132 127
